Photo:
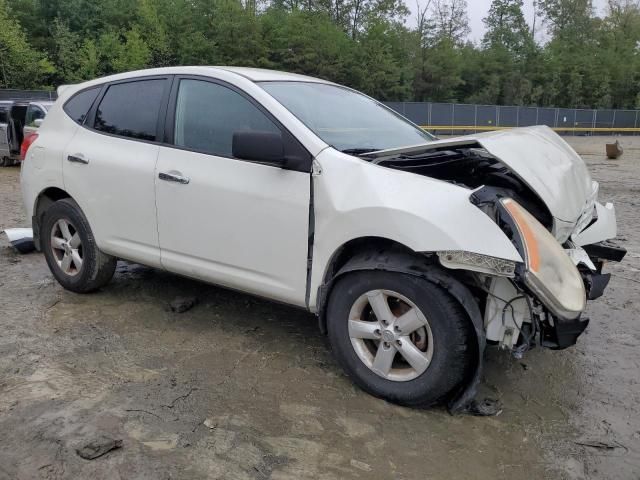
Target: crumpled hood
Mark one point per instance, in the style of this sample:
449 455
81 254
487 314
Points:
540 157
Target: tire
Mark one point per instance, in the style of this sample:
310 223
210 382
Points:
96 268
6 162
449 349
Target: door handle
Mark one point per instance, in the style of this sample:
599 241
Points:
77 158
174 177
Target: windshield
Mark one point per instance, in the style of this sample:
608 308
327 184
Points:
346 120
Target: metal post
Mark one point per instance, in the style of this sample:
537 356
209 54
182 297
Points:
453 116
475 118
613 121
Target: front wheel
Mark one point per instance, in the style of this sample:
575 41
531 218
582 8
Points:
71 251
400 337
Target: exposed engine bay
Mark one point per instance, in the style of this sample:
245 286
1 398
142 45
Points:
472 167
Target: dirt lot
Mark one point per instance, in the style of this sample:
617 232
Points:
241 388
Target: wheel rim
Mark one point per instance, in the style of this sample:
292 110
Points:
66 247
390 335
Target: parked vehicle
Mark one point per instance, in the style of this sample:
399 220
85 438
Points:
18 120
413 252
36 111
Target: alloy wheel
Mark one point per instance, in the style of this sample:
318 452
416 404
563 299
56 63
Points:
390 335
66 247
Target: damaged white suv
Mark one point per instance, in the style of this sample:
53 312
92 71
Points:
413 252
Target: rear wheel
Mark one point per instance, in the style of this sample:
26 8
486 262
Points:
400 337
6 162
71 251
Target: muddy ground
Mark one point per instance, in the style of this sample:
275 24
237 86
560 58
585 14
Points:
239 388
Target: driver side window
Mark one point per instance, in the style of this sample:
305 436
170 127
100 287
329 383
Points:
208 114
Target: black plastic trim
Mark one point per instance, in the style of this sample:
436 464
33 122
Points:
563 334
606 251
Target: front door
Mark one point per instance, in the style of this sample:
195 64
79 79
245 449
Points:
224 220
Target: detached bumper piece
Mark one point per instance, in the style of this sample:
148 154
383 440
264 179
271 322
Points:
21 239
563 334
596 283
606 250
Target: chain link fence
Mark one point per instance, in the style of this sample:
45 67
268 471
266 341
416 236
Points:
455 118
8 94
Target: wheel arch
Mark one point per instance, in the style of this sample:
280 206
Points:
375 253
44 200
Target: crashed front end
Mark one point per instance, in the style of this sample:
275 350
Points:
539 192
544 297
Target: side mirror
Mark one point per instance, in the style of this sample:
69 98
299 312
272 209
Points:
37 122
263 147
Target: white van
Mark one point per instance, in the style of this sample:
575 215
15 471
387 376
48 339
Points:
18 120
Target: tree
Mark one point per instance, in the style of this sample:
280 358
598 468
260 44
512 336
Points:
450 21
507 28
585 61
20 65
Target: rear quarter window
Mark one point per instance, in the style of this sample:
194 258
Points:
78 106
3 116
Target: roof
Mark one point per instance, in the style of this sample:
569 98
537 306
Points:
264 75
252 74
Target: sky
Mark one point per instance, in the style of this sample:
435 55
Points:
478 9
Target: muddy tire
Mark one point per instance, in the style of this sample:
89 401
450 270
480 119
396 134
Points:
71 251
400 337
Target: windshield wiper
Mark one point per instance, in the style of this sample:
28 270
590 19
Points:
359 151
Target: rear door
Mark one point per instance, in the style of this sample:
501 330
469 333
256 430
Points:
232 222
109 167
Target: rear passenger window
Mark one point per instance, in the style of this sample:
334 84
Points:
79 105
208 114
131 109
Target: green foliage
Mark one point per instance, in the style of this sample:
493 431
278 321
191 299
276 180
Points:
21 66
370 45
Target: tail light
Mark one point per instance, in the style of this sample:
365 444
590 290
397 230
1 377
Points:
26 143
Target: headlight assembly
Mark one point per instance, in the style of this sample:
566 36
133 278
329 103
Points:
549 273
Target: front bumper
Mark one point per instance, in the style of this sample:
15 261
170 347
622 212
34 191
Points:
559 333
563 333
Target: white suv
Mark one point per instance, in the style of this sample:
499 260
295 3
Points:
413 252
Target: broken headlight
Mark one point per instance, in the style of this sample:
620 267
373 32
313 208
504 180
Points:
550 273
477 262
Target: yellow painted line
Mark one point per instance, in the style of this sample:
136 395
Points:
557 129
